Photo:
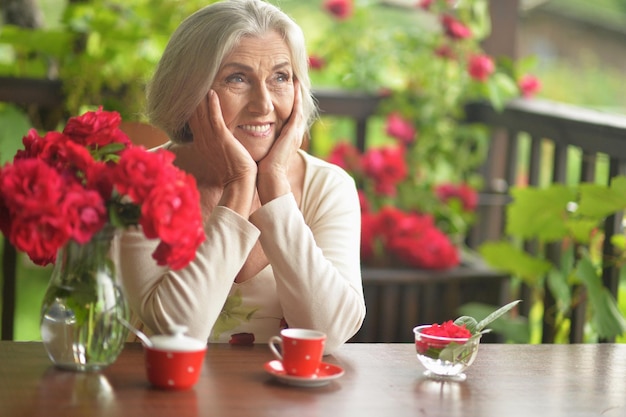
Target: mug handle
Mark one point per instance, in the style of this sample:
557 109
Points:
275 340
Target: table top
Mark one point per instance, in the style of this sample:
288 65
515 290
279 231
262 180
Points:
379 380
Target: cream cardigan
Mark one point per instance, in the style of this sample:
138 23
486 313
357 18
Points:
313 279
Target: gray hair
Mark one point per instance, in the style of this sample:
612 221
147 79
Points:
196 50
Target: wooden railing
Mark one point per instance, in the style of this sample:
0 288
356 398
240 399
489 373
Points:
400 298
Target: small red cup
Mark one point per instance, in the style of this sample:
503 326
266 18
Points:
300 352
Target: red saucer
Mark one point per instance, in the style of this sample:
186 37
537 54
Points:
326 373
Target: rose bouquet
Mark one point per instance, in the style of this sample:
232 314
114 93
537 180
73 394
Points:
448 348
69 185
61 200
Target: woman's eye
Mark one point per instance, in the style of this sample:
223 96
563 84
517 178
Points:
282 77
235 78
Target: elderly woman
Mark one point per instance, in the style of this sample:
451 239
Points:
282 227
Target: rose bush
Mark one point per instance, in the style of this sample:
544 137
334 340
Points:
418 175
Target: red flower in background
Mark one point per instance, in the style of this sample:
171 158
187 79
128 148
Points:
466 194
445 51
454 29
529 85
480 67
414 239
316 62
386 166
341 9
347 156
411 237
369 231
400 128
425 4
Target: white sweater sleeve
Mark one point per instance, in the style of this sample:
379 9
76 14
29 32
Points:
194 295
315 256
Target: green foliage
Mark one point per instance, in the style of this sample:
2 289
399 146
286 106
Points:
569 217
103 51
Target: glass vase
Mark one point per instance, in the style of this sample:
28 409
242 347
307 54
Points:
79 326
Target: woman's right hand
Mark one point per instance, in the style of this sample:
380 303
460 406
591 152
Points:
227 163
226 158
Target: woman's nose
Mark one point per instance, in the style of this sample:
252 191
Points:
260 100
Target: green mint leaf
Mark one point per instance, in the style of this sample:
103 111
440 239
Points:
469 322
496 314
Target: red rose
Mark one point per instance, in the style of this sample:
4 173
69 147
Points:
346 156
480 67
400 128
529 85
139 172
96 128
386 166
33 145
415 240
316 62
29 185
425 4
85 211
171 212
341 9
40 235
445 51
454 29
101 177
65 155
466 194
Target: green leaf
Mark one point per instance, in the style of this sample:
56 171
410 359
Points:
496 314
619 241
581 229
455 352
504 256
606 318
469 322
539 213
599 201
560 289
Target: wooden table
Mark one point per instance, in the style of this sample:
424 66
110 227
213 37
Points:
380 380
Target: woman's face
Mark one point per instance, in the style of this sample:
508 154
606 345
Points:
256 91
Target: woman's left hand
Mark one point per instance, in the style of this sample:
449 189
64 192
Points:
273 169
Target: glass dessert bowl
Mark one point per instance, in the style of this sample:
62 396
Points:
443 357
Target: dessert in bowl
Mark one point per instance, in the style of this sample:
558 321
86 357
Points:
444 356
